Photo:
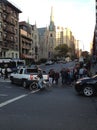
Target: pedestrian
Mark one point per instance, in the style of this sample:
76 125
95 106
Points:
1 73
62 72
5 74
40 76
81 72
67 78
56 77
51 76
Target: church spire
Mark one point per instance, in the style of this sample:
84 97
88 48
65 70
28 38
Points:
52 15
52 26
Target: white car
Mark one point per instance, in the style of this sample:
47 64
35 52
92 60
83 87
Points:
49 62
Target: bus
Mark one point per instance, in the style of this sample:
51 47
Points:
11 64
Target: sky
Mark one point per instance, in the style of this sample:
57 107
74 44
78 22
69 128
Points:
77 15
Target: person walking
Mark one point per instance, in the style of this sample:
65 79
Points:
62 72
56 77
5 74
40 76
51 76
2 73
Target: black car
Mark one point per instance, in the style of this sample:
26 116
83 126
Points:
87 86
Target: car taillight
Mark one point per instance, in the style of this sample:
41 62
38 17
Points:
31 77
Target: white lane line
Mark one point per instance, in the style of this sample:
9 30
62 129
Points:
15 99
35 91
11 100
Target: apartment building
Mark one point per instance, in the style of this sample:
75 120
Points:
35 42
28 42
65 36
25 42
59 35
9 30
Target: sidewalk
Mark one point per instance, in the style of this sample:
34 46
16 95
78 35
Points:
6 80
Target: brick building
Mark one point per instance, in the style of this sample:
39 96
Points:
9 30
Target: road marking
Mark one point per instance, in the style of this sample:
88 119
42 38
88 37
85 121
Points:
16 98
35 91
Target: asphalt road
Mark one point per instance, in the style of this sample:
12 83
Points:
59 108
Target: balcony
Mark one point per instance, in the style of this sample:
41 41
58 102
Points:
26 47
26 56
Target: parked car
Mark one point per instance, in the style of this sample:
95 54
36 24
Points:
25 76
87 86
49 62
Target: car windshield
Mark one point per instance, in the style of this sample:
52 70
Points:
32 70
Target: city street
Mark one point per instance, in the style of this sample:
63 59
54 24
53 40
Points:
50 50
59 108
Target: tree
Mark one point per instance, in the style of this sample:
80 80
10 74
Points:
85 53
86 56
62 50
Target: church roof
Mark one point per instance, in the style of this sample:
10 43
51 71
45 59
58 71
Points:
41 31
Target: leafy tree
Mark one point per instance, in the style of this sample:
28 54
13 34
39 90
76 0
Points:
85 53
62 50
86 56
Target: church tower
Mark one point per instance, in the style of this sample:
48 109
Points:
52 26
52 35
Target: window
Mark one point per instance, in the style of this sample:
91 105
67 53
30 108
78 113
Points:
0 14
32 71
11 38
4 26
16 55
35 37
16 39
12 20
5 35
0 24
12 29
16 31
51 35
12 55
5 16
16 23
0 35
16 48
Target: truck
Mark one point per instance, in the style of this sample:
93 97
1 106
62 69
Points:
26 76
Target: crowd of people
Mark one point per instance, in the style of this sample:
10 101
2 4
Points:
69 75
66 75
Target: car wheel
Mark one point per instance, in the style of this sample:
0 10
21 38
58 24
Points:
24 84
33 86
88 91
